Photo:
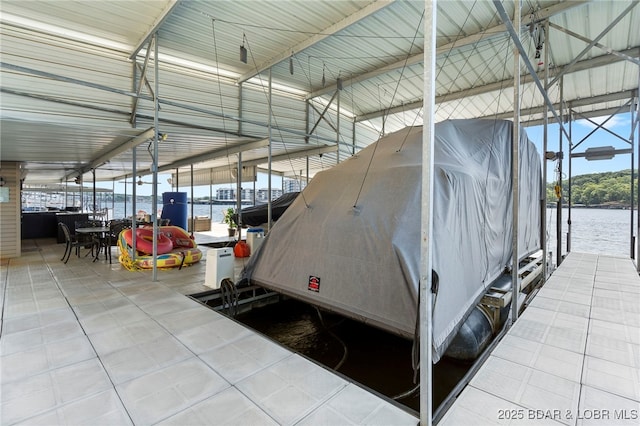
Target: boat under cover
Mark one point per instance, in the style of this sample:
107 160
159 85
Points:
350 242
258 215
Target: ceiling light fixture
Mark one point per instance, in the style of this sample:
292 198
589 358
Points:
291 63
243 50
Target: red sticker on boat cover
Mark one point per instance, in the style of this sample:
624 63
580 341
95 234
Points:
314 283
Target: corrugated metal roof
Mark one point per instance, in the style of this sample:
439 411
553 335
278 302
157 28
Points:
68 85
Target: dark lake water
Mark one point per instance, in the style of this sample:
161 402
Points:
374 358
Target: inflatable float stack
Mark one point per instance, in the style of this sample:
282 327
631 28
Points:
176 248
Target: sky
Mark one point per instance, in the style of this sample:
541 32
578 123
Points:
619 124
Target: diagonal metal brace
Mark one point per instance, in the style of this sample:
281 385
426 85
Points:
523 54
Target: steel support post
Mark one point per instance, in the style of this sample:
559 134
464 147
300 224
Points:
425 322
515 158
154 163
269 213
559 183
545 148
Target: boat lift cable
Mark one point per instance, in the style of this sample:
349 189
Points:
407 393
229 294
224 125
345 353
447 58
486 183
386 114
275 119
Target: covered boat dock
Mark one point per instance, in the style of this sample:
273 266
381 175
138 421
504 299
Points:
93 343
214 92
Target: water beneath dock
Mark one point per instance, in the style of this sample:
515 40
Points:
374 358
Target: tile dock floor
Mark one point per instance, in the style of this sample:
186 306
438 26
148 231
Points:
572 358
92 343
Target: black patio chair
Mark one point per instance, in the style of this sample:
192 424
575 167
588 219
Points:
89 240
115 227
70 243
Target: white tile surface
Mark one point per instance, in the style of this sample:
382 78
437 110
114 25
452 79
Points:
614 350
208 336
612 377
100 307
244 357
143 358
45 357
176 303
144 367
362 407
526 387
104 408
615 331
164 393
112 318
291 389
477 408
229 407
23 399
583 360
571 308
50 333
126 336
602 408
183 321
35 321
546 358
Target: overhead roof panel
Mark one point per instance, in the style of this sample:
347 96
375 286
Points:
91 41
115 21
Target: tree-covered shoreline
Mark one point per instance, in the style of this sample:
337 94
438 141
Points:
607 190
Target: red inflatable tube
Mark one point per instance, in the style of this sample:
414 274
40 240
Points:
144 241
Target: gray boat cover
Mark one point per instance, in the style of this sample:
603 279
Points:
364 261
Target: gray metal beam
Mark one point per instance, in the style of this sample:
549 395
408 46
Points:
516 40
149 98
57 77
598 45
292 155
316 38
614 152
133 142
596 113
143 81
166 13
600 126
479 90
221 152
458 43
326 108
593 42
609 97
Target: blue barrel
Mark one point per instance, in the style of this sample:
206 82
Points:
174 208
